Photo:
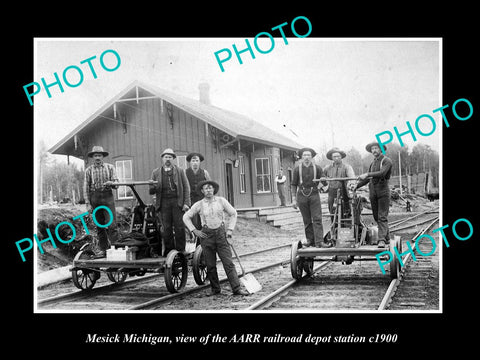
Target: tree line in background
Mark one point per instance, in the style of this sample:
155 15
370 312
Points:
421 159
59 181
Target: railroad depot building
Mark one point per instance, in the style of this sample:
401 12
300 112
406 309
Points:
241 154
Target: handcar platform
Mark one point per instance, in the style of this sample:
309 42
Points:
146 237
348 239
158 262
302 258
365 250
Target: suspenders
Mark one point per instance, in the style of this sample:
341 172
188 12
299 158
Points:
300 172
301 179
381 163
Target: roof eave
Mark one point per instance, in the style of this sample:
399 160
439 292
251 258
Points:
91 118
266 142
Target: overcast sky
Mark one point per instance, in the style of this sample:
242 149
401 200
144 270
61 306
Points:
329 92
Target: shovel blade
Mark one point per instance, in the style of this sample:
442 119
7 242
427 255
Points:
251 284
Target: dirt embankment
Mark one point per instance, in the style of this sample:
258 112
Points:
248 230
50 216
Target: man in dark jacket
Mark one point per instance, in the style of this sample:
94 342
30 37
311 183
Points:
172 199
195 174
377 177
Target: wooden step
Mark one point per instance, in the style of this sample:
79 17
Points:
248 214
276 210
287 221
281 216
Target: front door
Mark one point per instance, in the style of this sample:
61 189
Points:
229 183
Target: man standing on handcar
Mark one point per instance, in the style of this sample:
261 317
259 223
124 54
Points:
377 177
306 179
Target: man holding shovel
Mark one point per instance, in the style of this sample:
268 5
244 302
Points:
213 236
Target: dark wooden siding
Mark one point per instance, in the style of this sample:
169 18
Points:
149 131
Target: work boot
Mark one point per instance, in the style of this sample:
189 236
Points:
213 293
381 243
241 292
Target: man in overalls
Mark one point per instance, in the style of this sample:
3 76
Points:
377 177
280 179
305 181
100 179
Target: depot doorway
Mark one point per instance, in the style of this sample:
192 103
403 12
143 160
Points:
229 183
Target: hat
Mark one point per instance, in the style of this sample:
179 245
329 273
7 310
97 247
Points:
205 182
189 156
369 146
97 150
168 152
335 150
300 152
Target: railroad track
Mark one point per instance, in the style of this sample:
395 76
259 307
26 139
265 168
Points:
359 286
148 291
356 287
412 291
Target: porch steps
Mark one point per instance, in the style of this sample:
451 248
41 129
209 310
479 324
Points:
284 217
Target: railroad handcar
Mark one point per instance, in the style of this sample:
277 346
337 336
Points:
135 254
349 239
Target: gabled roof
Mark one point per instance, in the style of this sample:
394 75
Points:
234 124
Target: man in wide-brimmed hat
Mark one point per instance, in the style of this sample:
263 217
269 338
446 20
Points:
306 179
377 176
99 182
337 169
195 174
172 199
213 236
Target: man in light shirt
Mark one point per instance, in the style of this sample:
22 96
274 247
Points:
213 236
338 169
280 179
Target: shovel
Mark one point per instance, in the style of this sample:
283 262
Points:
248 280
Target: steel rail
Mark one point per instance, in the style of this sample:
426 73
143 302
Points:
417 223
198 288
83 294
392 288
275 295
401 221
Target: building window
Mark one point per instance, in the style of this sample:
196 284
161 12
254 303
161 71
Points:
124 174
262 167
241 167
182 162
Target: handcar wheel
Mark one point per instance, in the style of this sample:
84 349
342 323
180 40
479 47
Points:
395 267
308 266
176 271
199 268
296 262
84 279
117 276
